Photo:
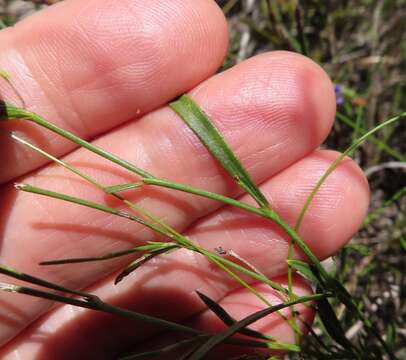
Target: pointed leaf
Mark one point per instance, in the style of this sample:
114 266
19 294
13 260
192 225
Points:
4 75
201 125
332 324
142 260
88 259
224 316
164 350
151 246
215 340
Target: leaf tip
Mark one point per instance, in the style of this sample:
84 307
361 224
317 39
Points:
119 278
9 287
20 186
4 75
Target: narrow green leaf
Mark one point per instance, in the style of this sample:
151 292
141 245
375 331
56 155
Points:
91 301
156 245
391 334
338 160
382 145
44 295
142 260
345 297
11 112
4 75
277 345
227 319
8 271
332 324
89 259
308 271
164 350
201 125
150 247
89 204
215 340
403 242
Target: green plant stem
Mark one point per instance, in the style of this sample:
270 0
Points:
383 146
236 170
266 213
341 293
171 233
150 181
89 204
39 191
13 113
93 302
8 271
10 112
203 193
338 160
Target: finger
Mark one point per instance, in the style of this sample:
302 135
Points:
164 289
70 332
90 66
262 106
334 216
240 304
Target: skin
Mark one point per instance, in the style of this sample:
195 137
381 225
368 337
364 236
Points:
105 70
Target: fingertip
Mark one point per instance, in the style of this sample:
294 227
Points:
340 205
319 91
315 91
283 94
89 66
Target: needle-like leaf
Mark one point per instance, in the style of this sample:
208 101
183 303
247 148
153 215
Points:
152 246
224 316
142 260
164 350
202 351
337 162
331 324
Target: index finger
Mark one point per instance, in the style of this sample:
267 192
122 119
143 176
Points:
89 66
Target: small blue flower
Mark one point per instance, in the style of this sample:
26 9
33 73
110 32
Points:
338 89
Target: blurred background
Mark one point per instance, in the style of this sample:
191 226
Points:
362 46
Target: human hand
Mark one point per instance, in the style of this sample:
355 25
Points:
105 69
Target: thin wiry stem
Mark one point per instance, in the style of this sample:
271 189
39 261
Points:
338 160
165 230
